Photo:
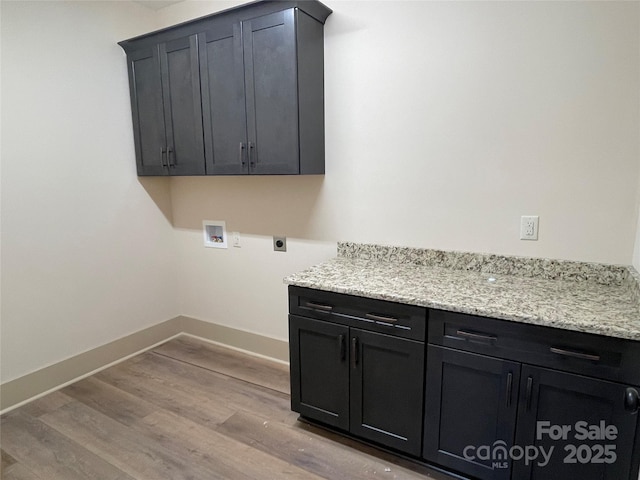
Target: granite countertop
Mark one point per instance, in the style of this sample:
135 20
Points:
586 297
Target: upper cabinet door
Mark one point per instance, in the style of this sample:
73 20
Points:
223 101
148 117
182 109
272 93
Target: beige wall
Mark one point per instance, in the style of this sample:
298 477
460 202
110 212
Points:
87 255
445 121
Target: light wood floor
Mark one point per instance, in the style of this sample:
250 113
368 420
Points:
184 410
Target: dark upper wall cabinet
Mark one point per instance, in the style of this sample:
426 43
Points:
223 98
239 92
165 103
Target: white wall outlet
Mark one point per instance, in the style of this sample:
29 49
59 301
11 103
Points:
529 227
235 239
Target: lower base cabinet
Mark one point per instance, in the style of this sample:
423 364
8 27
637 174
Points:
358 365
366 383
497 419
495 400
479 408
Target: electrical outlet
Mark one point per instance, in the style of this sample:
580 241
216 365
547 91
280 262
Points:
280 244
529 227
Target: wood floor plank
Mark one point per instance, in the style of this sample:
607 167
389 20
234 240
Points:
310 450
51 455
235 364
109 400
341 441
151 385
225 391
131 452
18 472
46 404
6 460
217 452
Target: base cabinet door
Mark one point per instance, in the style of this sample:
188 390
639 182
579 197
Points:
386 390
583 423
470 412
319 370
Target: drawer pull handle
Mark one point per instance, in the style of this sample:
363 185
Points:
631 400
319 306
380 318
580 355
509 388
529 392
477 336
343 347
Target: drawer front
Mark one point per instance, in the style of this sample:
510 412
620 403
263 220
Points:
399 320
583 353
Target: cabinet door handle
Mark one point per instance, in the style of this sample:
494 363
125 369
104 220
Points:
631 400
476 336
250 147
380 318
354 352
240 155
172 164
319 306
163 160
342 345
529 392
580 355
509 388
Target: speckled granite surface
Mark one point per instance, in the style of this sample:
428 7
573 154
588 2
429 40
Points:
585 297
488 263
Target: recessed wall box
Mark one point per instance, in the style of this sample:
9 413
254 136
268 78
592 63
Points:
215 234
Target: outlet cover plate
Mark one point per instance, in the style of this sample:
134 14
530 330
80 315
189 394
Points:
529 227
279 244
